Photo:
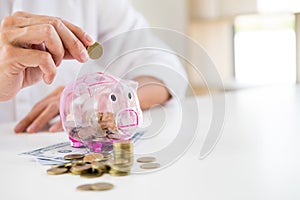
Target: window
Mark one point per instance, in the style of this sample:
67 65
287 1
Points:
265 49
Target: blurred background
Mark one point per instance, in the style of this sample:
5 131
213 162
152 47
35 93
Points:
252 42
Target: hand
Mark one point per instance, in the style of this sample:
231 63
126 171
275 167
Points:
151 92
32 46
41 114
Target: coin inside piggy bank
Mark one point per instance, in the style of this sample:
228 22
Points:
99 108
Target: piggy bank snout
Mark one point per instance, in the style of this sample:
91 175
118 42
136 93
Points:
127 118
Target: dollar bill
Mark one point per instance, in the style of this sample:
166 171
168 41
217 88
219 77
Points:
54 154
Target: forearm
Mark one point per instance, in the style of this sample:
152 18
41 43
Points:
151 92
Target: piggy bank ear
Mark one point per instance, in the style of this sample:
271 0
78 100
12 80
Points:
130 84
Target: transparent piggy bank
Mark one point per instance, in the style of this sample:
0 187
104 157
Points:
98 109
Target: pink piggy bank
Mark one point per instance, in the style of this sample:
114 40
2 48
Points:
99 108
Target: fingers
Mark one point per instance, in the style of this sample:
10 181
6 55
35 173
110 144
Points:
83 36
23 125
31 19
43 119
77 31
56 127
28 58
42 113
38 118
73 39
40 34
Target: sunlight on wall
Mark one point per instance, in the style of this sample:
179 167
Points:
265 51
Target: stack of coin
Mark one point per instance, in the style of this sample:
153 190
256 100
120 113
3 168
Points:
123 158
123 150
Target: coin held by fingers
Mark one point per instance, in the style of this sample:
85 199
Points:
95 51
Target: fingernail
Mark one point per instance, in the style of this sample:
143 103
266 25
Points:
31 129
53 128
47 79
88 38
18 128
84 55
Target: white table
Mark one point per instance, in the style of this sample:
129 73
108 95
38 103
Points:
257 157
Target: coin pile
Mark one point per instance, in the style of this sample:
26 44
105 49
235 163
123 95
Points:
89 166
95 51
96 164
107 124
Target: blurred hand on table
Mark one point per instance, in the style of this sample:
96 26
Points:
40 115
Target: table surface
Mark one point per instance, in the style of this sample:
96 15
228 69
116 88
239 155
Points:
257 156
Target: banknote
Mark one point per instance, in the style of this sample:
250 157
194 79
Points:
54 154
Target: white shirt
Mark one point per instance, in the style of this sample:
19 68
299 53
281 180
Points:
107 21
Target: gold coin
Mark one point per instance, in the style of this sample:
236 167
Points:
80 169
150 166
93 157
119 167
101 186
121 161
57 171
85 187
114 172
99 166
95 51
123 143
73 156
69 165
92 173
79 162
147 159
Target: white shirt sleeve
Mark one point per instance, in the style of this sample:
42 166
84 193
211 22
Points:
132 49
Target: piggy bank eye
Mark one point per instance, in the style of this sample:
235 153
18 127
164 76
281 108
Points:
129 95
113 97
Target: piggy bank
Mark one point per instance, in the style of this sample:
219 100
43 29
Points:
98 109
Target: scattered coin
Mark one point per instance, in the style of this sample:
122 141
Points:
85 187
92 173
146 159
96 164
93 157
80 169
150 165
57 171
99 166
95 51
76 162
73 156
114 172
119 167
101 186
